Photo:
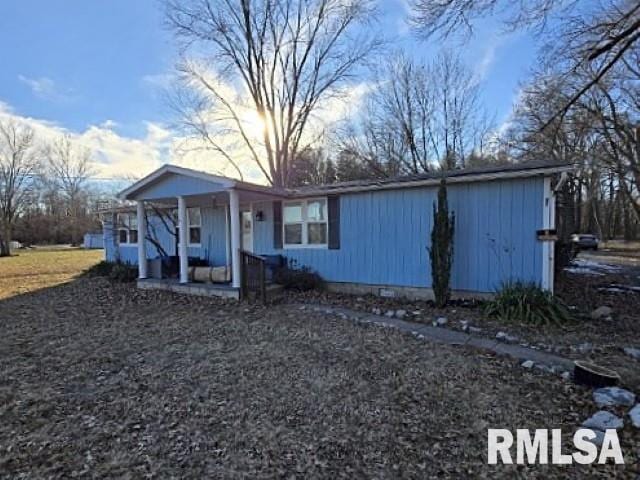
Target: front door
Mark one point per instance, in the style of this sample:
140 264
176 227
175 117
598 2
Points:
246 221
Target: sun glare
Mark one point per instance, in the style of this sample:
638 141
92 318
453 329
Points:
254 124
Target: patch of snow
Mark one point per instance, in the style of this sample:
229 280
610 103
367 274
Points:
582 271
625 287
583 266
612 290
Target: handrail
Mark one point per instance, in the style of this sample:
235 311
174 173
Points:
252 276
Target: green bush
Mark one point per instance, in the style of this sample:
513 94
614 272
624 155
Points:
301 279
441 249
529 304
117 271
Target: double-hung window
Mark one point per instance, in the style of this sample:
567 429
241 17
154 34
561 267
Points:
305 223
194 223
127 228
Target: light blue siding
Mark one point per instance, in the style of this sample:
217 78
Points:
385 236
212 238
93 240
171 186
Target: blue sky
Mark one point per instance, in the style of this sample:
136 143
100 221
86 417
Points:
93 68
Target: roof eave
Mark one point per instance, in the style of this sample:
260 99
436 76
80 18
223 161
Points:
127 193
478 177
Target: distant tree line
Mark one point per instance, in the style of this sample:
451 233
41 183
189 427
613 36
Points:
45 194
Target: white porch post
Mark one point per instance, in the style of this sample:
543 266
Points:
548 222
183 240
142 231
234 207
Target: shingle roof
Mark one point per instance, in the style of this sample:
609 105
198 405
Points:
453 176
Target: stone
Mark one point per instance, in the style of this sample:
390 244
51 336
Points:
527 364
601 313
566 376
602 421
632 352
389 313
585 348
543 368
376 311
475 329
634 414
505 337
613 397
441 321
400 313
416 312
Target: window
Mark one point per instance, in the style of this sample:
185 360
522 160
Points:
305 223
194 222
127 228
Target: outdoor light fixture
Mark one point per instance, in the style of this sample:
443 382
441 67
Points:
259 216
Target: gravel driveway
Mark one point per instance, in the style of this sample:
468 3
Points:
100 380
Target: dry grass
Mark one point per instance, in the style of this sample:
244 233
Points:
30 270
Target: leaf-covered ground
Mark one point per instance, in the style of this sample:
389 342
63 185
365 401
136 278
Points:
605 278
100 380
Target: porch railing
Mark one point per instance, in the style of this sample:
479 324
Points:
253 279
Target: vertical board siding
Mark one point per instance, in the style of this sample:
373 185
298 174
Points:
385 236
212 240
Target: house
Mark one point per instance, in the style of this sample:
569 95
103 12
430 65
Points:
93 240
362 237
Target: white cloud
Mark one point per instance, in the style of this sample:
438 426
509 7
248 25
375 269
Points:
487 59
110 124
119 156
159 81
45 88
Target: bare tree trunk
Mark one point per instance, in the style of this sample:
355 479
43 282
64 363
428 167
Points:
5 241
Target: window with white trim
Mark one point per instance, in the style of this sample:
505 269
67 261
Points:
194 222
127 228
305 223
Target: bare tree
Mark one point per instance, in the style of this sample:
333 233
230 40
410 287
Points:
69 168
598 135
597 35
258 70
422 118
18 165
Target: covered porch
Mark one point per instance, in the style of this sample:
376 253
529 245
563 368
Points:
214 225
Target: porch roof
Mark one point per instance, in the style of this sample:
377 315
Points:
170 181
